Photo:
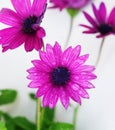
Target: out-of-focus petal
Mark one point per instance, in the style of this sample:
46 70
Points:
90 19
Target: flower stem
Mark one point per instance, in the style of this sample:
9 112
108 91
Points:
70 31
38 114
100 51
75 116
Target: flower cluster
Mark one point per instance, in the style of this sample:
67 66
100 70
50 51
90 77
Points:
58 74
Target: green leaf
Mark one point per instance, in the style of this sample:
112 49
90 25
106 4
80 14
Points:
7 96
2 126
32 96
72 12
24 124
47 117
61 126
8 121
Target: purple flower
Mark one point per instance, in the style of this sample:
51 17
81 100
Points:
61 75
101 24
74 4
24 25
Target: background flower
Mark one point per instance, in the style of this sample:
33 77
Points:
61 75
75 4
101 24
25 25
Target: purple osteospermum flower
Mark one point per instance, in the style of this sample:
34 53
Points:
25 25
61 75
74 4
101 24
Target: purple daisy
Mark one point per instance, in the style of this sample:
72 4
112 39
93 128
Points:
61 75
24 25
74 4
101 24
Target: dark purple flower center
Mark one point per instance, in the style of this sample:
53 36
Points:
28 23
60 76
105 29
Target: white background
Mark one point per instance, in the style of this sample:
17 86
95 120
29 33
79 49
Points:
97 113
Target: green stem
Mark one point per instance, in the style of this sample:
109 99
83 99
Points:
75 116
70 31
38 114
100 52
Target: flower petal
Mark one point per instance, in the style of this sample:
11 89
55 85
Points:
90 19
9 17
41 32
102 12
81 60
79 90
64 97
12 39
50 54
74 54
46 98
41 66
111 19
74 95
57 52
42 90
33 42
53 98
22 8
38 7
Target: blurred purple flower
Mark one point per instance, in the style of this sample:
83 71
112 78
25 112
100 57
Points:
61 75
74 4
25 25
101 24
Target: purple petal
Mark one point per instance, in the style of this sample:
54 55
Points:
111 19
98 15
81 60
22 7
41 66
57 52
84 68
44 58
33 42
46 98
64 97
53 98
74 95
8 33
102 13
50 55
13 40
41 32
79 90
9 17
90 19
74 54
66 55
38 43
34 84
38 7
42 90
85 84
